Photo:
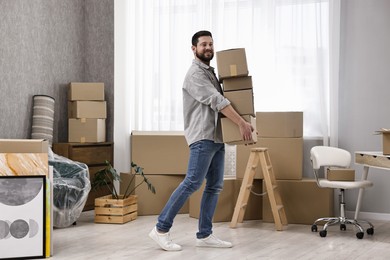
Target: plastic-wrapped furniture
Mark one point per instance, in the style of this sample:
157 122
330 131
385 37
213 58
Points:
71 187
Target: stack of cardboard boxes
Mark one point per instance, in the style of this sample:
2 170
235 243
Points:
282 134
164 156
87 112
237 88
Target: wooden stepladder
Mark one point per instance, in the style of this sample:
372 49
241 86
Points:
259 156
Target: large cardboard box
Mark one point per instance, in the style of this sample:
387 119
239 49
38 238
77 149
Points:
237 83
286 156
86 91
227 201
232 63
279 124
242 101
340 174
231 133
149 203
87 109
160 152
24 146
303 201
86 130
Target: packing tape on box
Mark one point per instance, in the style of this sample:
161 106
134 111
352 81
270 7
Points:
233 70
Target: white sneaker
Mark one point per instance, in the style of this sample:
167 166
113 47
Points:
212 241
164 240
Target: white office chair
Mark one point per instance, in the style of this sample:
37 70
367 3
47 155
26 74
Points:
325 156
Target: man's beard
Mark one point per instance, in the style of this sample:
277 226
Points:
203 58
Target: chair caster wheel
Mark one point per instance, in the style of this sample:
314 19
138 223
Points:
370 231
314 228
343 227
323 233
360 235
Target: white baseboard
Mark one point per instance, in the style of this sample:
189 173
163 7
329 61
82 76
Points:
369 215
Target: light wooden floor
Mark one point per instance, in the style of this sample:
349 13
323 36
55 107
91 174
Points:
251 239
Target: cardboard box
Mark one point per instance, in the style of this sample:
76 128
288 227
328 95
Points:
286 156
24 146
232 63
242 101
303 201
279 124
86 130
87 109
149 203
160 152
237 83
385 140
231 133
340 174
227 202
86 91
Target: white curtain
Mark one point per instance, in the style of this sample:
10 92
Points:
287 48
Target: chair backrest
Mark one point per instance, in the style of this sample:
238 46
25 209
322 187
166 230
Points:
329 156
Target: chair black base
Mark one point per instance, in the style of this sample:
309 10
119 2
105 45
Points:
330 221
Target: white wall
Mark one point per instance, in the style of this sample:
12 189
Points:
365 91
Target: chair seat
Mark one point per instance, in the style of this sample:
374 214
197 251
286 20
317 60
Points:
344 184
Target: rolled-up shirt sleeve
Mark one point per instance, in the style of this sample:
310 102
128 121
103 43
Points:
203 91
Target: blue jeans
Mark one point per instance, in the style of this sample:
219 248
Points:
206 162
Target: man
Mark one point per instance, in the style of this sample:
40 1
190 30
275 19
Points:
203 102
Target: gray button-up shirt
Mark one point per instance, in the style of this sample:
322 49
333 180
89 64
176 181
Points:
202 101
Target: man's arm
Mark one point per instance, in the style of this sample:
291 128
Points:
246 128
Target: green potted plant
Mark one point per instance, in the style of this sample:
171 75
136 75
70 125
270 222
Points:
116 207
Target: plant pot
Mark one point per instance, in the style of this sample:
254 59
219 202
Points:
115 211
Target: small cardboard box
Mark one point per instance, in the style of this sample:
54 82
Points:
279 124
87 109
149 203
232 63
160 152
340 174
237 83
231 133
227 201
286 156
303 201
385 140
242 101
86 130
86 91
24 146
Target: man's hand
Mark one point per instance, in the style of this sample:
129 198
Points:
246 130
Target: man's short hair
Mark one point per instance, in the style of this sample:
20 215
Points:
199 34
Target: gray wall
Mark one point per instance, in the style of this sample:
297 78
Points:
365 91
44 46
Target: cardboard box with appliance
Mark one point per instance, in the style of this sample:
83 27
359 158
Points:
237 86
227 201
87 112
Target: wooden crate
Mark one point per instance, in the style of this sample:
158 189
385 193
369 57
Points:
118 211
